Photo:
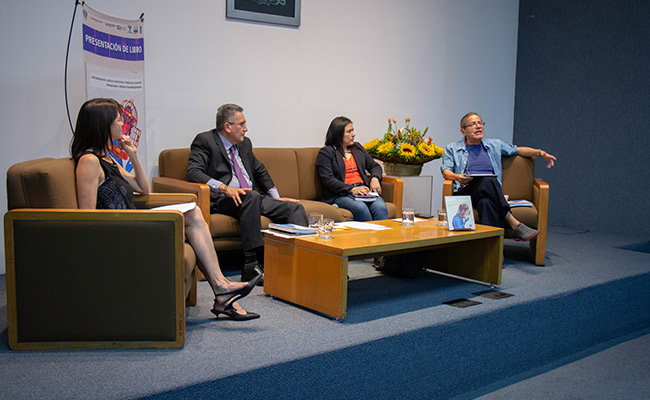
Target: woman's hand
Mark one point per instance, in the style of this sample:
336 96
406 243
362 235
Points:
138 179
127 145
375 186
359 190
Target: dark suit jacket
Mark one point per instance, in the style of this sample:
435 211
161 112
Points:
209 160
331 169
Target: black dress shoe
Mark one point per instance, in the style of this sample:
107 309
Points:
252 271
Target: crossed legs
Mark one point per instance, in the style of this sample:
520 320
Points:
198 236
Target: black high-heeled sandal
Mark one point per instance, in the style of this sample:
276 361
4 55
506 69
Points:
229 310
231 313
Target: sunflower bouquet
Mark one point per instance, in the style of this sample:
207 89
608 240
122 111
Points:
404 146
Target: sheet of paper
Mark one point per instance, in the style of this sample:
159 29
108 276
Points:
182 207
361 225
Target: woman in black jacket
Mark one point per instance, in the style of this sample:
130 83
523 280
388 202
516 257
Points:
343 166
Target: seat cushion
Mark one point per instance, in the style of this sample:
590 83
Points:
328 211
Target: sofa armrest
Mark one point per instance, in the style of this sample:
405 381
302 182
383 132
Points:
125 265
540 195
171 185
392 190
540 199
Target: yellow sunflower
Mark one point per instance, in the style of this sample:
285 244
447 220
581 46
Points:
385 147
427 149
407 150
371 144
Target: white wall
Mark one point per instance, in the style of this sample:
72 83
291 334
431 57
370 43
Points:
366 59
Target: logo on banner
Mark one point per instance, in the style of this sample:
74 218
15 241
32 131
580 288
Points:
129 114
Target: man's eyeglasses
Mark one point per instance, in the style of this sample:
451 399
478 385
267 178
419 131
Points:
479 123
242 124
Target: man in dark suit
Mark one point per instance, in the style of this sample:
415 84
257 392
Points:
223 158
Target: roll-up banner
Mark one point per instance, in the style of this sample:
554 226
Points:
114 57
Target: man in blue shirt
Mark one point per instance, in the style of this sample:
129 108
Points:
476 155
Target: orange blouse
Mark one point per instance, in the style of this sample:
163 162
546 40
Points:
352 174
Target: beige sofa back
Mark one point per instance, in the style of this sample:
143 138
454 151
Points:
42 183
518 177
293 170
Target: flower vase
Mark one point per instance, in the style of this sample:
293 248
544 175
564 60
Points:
402 169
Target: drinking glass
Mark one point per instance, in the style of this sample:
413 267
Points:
325 228
408 216
314 219
442 217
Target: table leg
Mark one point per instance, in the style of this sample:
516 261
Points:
478 259
312 279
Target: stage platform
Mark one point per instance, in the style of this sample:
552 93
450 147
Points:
400 339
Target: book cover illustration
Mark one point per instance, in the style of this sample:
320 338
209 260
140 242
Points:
460 215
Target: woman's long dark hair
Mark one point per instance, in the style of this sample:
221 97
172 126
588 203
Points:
335 133
93 130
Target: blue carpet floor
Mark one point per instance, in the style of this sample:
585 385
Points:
399 340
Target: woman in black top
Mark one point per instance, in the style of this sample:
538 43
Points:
344 167
102 183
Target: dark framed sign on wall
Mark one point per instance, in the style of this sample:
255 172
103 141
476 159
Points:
283 12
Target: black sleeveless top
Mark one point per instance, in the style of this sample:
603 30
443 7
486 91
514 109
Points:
114 193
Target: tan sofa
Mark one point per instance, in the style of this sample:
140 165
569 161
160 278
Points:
92 278
293 170
519 183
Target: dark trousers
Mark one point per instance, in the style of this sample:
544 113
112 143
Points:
253 206
487 200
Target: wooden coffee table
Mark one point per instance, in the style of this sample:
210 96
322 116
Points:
312 272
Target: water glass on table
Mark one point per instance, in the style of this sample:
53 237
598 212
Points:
442 217
325 228
314 219
408 216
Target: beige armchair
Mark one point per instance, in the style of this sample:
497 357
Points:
519 183
87 279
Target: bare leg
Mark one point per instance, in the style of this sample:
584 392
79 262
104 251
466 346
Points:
198 236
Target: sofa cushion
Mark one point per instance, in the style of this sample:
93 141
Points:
337 214
282 165
310 184
172 163
42 183
225 226
518 177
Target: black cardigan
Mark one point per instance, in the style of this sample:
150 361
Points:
331 169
